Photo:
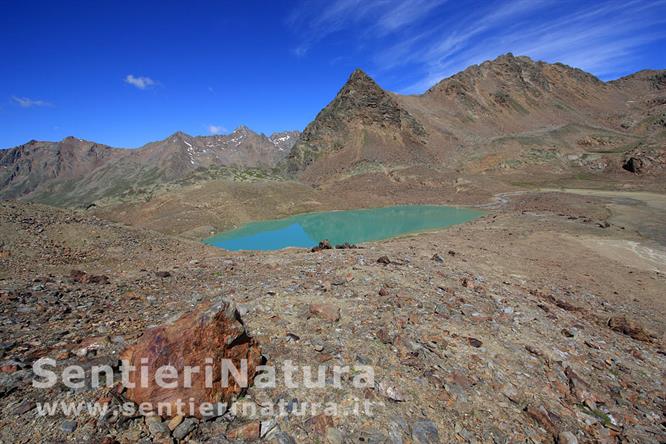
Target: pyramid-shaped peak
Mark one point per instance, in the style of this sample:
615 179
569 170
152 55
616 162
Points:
359 81
358 75
179 135
244 129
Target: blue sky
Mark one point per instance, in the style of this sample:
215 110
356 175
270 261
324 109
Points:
125 73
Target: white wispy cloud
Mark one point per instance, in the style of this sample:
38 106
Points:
318 19
140 82
216 129
424 41
601 38
404 13
26 102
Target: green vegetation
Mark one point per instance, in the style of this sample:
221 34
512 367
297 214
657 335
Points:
540 155
603 417
235 174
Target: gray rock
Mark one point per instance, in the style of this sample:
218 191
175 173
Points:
184 428
390 392
24 407
156 427
334 436
68 426
267 426
567 438
425 431
371 437
397 428
242 309
282 438
219 409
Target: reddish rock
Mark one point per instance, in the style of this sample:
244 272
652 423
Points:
625 326
104 400
544 418
578 387
62 355
327 312
77 275
384 336
98 279
9 368
321 423
245 432
461 379
213 331
84 278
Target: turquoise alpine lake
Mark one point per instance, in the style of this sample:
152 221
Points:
356 226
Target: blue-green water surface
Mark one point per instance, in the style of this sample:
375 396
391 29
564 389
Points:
356 226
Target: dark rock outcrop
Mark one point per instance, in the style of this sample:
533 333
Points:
641 161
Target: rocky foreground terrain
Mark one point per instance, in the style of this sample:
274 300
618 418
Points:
540 322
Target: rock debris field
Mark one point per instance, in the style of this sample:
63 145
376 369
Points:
501 330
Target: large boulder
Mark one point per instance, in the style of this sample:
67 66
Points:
205 337
641 161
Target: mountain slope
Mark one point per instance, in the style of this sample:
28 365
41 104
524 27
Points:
362 124
511 119
76 172
494 116
26 167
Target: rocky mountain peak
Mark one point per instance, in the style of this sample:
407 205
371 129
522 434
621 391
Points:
360 103
358 75
509 58
360 83
511 81
284 140
69 140
179 135
243 129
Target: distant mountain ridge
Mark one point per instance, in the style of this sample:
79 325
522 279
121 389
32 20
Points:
485 118
511 115
78 167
